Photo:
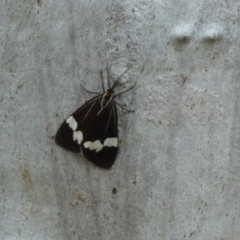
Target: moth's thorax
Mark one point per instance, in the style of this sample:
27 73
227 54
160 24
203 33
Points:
109 93
107 98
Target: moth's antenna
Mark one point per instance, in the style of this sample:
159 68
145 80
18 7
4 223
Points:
102 80
125 90
108 76
116 82
88 90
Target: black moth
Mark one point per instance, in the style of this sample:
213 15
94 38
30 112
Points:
93 128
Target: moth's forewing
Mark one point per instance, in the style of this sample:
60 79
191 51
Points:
64 135
98 129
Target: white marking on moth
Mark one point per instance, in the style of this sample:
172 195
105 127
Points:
96 145
77 135
72 123
111 142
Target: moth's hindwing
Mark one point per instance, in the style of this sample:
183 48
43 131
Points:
100 145
93 131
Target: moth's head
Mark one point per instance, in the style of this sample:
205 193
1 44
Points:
110 91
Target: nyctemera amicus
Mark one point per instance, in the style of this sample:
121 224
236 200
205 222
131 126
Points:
93 128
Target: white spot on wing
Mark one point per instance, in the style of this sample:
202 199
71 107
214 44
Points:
96 145
77 135
72 123
87 144
111 142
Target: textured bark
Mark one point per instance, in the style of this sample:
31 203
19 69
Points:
177 175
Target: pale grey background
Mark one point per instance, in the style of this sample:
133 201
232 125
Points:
177 175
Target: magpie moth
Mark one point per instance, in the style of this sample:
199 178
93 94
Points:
93 128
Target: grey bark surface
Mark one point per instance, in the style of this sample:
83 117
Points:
177 175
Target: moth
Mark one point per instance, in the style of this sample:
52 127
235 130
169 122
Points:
92 130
